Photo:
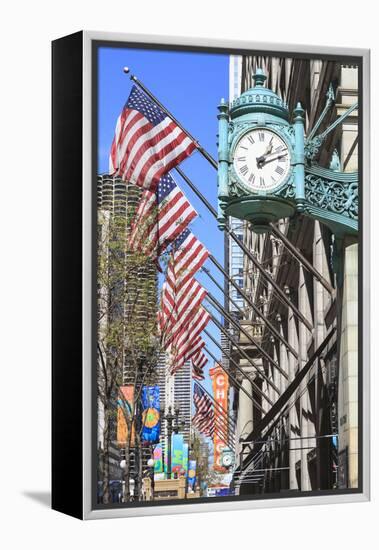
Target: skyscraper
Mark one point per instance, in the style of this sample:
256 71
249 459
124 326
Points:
175 391
183 397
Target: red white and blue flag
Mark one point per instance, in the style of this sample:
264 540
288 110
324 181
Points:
147 143
204 418
187 341
188 256
160 218
181 293
199 360
178 307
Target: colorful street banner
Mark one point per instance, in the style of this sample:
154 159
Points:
191 474
220 385
177 453
150 414
124 410
158 459
185 457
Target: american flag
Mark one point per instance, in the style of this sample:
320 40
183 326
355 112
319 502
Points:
187 341
203 419
188 256
160 218
181 293
198 361
147 143
178 307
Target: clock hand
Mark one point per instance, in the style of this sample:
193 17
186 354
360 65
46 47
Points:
267 152
269 147
265 159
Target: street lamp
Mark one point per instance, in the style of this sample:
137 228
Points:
141 363
174 425
131 480
150 464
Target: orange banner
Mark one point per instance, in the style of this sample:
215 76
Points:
124 407
220 384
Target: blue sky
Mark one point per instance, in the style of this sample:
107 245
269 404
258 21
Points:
191 86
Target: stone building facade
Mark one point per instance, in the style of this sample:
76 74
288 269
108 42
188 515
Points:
312 442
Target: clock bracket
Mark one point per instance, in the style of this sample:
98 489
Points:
320 193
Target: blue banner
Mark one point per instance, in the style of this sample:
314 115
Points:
177 453
191 474
185 458
151 414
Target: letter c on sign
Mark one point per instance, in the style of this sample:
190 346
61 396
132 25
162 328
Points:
220 380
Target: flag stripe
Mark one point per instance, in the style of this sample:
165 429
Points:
160 218
204 417
147 143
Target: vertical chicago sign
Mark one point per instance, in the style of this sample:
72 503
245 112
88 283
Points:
220 385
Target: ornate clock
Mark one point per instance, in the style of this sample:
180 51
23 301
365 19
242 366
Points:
227 458
266 166
261 160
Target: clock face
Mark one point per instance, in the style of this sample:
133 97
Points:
261 160
227 460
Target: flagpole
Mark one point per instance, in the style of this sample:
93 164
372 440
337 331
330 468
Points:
232 378
230 420
242 352
244 248
214 163
254 307
199 147
220 427
216 304
213 303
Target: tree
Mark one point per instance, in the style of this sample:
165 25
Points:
127 329
200 451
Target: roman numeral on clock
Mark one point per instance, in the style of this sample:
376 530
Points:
244 170
241 158
279 170
251 178
261 136
251 139
262 182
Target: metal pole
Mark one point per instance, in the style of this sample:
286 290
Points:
234 380
227 295
199 147
214 163
265 275
268 278
338 121
287 243
211 209
274 387
329 102
169 419
216 304
229 418
222 426
224 331
253 306
275 410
